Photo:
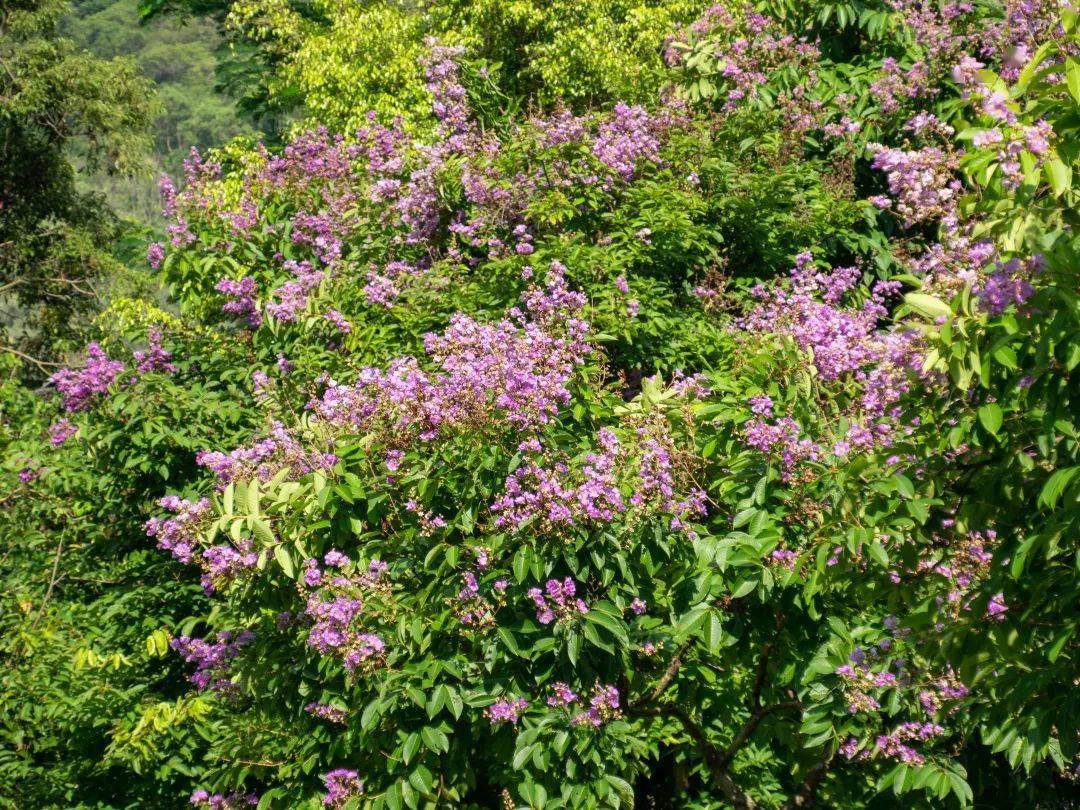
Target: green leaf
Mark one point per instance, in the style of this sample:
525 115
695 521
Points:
904 485
1072 78
411 746
523 755
928 305
1059 175
991 417
510 642
713 631
434 739
878 552
371 714
610 623
453 699
1055 485
623 789
422 779
743 589
436 701
1059 644
284 559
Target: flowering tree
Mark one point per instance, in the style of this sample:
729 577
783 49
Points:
716 452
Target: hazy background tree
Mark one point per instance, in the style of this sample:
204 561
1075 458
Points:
59 103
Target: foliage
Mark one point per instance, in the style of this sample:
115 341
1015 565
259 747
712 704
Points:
55 263
342 60
714 451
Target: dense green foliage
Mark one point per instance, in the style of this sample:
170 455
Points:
519 468
339 60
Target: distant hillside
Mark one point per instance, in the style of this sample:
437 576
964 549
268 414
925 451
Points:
180 58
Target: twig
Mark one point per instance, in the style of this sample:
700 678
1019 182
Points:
52 581
39 363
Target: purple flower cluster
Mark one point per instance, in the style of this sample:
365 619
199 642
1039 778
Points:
155 254
324 711
341 785
336 607
859 680
181 534
922 182
893 745
155 357
659 479
946 688
292 296
442 74
515 370
532 491
559 496
223 801
339 321
558 602
603 705
845 346
1009 285
241 295
506 710
263 459
782 440
996 608
750 47
895 84
311 156
965 567
324 231
628 137
472 607
79 387
223 563
60 431
212 659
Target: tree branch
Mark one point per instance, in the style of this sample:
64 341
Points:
669 673
708 751
739 740
804 796
759 679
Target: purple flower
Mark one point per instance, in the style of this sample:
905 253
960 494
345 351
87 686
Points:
506 710
341 785
335 559
241 295
155 357
155 254
60 431
326 712
338 320
996 607
629 136
79 387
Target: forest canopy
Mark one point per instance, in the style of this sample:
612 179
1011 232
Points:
564 405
